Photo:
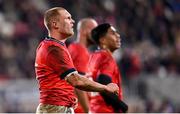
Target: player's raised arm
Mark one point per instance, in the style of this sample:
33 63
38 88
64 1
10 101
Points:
85 84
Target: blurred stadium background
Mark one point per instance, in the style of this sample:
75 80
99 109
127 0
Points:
149 58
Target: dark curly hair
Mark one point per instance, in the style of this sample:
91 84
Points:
99 31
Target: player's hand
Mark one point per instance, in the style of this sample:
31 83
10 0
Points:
112 88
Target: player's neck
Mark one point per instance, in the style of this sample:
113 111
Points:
57 36
107 50
104 47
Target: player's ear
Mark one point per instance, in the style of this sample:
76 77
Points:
102 40
54 24
83 31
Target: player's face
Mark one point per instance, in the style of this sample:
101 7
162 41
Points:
112 39
66 23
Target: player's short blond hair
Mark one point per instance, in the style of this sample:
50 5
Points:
51 15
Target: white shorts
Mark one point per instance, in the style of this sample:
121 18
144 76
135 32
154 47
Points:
47 108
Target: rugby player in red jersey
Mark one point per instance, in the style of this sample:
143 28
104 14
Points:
105 70
54 68
80 56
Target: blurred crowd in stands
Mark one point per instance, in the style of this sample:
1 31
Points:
150 32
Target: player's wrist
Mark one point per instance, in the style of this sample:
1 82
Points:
105 88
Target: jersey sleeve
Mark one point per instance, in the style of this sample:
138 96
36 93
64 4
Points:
80 57
60 61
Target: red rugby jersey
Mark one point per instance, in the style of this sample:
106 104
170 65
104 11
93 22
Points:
53 63
80 57
102 62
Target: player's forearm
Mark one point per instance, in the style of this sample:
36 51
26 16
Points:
85 84
89 85
83 99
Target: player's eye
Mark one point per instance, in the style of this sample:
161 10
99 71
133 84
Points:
69 18
113 32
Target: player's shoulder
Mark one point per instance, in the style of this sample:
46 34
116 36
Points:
73 45
51 46
77 47
101 53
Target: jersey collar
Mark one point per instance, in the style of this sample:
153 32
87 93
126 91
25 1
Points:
55 40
